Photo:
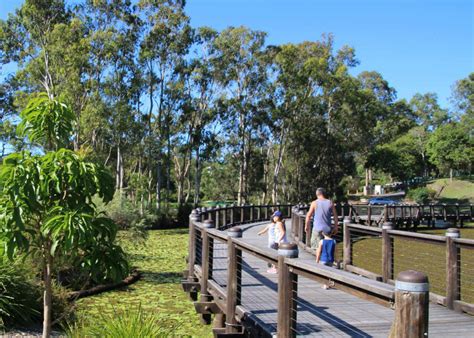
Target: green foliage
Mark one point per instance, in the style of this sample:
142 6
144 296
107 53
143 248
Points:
162 260
452 147
121 324
19 297
421 195
46 207
46 122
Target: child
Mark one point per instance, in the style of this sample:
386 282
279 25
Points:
325 252
280 228
275 235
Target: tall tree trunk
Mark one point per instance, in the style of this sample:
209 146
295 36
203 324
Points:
197 177
451 174
276 171
158 185
117 169
47 294
240 196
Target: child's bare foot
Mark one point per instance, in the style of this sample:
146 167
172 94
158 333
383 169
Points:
325 287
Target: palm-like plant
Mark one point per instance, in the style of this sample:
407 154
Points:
46 201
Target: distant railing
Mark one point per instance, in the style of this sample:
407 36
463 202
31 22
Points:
412 214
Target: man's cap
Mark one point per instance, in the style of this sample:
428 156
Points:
277 213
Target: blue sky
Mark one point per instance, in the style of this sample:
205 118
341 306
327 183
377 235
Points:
417 45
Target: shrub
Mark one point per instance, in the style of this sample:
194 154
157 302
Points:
421 195
124 323
19 297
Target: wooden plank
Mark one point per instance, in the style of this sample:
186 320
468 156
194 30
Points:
464 307
435 239
363 272
343 277
369 230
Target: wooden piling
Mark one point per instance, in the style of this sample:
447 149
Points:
411 305
287 292
452 268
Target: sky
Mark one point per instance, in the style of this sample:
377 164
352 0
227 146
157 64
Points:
417 45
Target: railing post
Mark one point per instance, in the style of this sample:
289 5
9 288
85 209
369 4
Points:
209 213
347 249
411 305
251 212
234 279
369 214
242 213
259 212
387 252
194 217
453 268
232 208
206 268
217 217
301 221
287 292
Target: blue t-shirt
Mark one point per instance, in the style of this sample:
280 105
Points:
327 250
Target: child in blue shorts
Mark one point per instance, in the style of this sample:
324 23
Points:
325 252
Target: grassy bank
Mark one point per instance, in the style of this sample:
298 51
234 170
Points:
161 259
460 191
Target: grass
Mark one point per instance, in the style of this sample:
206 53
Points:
159 292
428 258
461 191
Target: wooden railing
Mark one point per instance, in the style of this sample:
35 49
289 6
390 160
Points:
403 214
215 239
381 253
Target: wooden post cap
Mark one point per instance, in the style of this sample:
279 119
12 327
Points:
346 220
208 223
194 215
234 232
387 226
412 281
453 233
288 250
203 209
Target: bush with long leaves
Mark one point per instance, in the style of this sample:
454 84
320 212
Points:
46 206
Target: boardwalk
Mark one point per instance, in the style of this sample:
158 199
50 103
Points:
227 276
328 313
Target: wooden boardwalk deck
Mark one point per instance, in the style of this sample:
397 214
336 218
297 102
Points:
328 313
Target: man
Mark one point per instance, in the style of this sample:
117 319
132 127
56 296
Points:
322 209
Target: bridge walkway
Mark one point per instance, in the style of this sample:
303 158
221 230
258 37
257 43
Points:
328 313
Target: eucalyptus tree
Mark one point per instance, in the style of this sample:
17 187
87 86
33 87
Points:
241 70
166 40
26 40
204 91
46 207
